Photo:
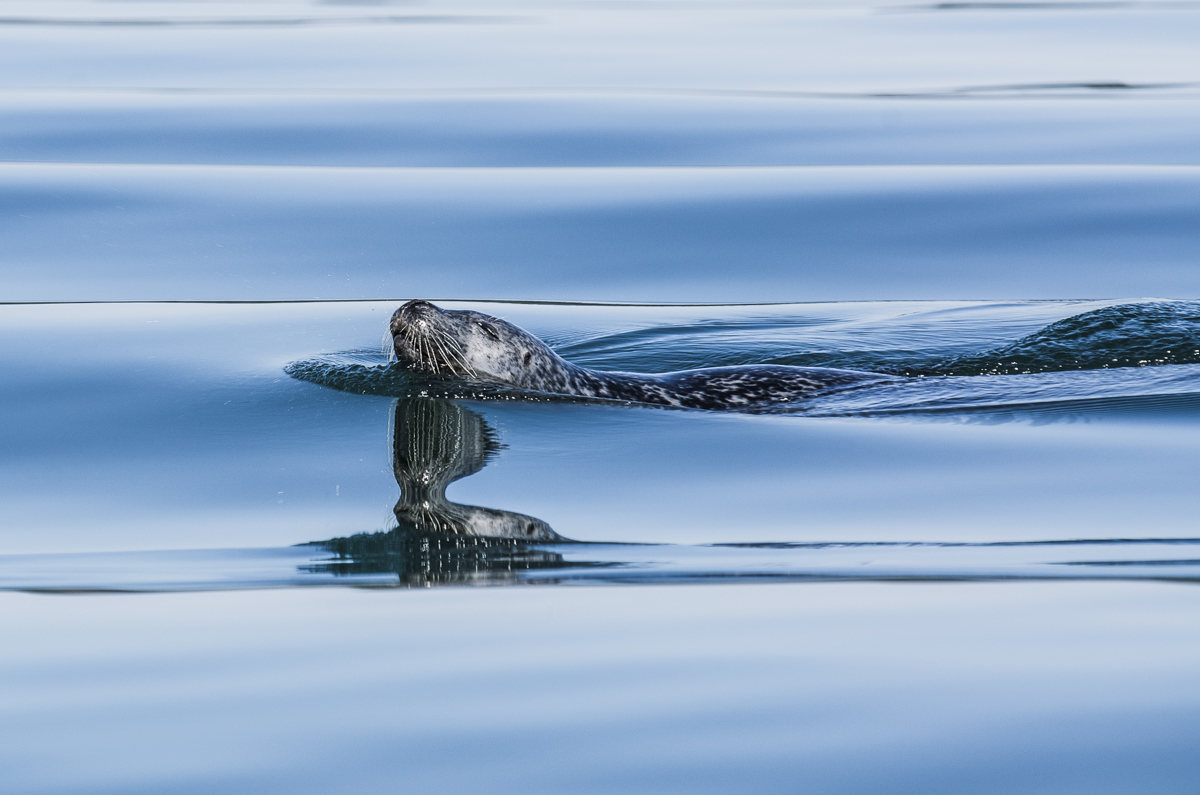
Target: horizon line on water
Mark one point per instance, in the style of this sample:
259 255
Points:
568 302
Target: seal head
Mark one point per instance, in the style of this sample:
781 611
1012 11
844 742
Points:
472 345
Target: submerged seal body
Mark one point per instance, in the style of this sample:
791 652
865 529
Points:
482 348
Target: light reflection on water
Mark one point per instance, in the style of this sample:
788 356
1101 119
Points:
973 125
851 687
179 456
166 407
114 232
855 153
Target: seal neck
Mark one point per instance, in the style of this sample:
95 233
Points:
636 387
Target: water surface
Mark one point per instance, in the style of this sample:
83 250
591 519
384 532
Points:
243 553
1038 410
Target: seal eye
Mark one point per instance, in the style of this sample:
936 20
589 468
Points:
488 329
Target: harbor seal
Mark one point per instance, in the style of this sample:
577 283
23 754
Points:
481 348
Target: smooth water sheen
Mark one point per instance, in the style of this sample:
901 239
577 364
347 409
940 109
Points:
235 537
890 475
86 232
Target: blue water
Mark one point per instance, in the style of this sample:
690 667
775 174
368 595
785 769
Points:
150 232
976 576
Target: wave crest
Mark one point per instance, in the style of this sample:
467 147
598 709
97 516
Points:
1126 335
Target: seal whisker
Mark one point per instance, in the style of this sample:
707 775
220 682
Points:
431 358
388 345
436 356
422 357
449 355
454 351
438 347
450 351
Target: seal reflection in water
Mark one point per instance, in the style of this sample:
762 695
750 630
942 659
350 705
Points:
481 348
434 443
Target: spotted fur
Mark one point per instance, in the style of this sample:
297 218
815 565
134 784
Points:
479 347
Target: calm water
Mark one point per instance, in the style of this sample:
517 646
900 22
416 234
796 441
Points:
236 537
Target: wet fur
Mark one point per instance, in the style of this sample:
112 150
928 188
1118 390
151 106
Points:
479 347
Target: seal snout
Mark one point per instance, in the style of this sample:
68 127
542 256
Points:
413 314
405 321
416 310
